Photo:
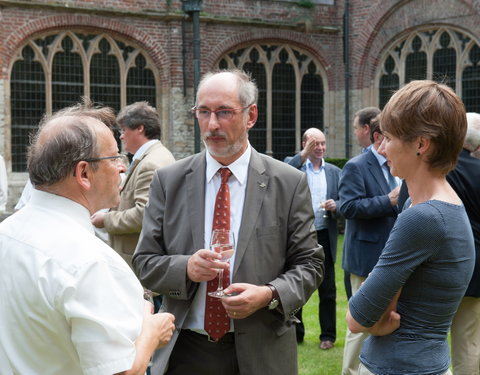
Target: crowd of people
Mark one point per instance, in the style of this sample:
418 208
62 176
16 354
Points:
71 304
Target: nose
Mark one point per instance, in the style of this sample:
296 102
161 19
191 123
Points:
213 122
122 168
381 148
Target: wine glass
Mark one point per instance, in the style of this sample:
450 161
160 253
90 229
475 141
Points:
324 211
222 242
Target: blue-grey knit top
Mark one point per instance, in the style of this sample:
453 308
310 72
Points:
430 254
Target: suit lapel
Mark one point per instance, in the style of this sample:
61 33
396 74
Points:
131 168
257 185
328 177
377 173
195 184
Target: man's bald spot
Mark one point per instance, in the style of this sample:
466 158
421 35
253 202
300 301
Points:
62 124
312 132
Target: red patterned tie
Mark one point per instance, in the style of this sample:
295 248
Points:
217 322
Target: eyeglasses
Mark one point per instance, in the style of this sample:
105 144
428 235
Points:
222 114
117 157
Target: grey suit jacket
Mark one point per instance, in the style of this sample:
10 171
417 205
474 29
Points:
332 175
124 223
277 245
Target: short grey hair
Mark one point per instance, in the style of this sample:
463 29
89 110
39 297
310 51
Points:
141 113
52 160
247 88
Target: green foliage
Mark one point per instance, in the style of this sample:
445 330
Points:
339 162
306 4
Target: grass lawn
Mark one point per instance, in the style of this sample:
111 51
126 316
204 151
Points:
311 359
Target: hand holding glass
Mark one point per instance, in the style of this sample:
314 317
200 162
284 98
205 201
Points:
322 207
222 242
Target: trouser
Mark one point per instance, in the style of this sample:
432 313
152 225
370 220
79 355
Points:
465 337
353 341
193 353
327 295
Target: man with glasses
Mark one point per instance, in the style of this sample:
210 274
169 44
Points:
141 133
71 305
277 263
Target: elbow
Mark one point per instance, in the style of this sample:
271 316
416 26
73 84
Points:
352 324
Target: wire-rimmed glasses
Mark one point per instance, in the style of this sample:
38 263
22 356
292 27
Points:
203 114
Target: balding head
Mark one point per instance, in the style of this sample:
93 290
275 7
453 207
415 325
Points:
472 138
312 132
64 139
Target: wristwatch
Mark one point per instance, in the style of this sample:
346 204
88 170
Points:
275 298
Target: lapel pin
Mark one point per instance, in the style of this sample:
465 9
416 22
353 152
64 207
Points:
261 184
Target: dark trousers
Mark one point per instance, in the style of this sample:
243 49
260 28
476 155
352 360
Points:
194 354
327 295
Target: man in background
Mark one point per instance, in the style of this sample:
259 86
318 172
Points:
141 133
465 180
70 305
368 201
323 179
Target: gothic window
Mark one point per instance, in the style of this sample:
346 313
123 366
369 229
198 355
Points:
442 54
291 94
55 70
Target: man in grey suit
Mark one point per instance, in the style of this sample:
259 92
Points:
323 179
277 263
368 201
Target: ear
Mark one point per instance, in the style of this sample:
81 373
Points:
141 128
83 174
423 145
252 116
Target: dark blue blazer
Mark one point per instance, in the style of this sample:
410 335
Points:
465 180
369 215
332 175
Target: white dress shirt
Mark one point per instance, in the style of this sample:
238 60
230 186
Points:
237 184
69 303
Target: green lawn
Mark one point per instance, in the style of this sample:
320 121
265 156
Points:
312 360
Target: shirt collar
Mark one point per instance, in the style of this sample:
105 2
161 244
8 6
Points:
239 167
309 164
63 206
143 148
380 158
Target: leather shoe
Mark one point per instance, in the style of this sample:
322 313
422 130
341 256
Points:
327 344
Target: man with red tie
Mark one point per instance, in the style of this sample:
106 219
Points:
277 263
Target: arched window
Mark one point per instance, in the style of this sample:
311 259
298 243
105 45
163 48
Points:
55 70
291 94
440 54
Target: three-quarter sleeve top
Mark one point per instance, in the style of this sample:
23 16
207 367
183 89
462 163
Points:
430 254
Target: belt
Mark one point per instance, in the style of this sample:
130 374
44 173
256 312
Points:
228 338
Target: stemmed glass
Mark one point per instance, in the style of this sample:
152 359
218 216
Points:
222 242
322 208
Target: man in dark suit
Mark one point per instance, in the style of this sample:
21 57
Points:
465 180
323 181
277 263
368 201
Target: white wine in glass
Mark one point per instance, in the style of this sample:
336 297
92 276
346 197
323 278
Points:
222 242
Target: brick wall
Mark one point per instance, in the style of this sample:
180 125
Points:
156 25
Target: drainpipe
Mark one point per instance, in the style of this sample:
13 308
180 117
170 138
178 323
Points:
193 8
346 62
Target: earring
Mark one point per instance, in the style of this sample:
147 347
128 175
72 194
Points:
418 154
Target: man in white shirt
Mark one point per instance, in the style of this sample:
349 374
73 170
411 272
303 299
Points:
70 305
141 132
323 179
